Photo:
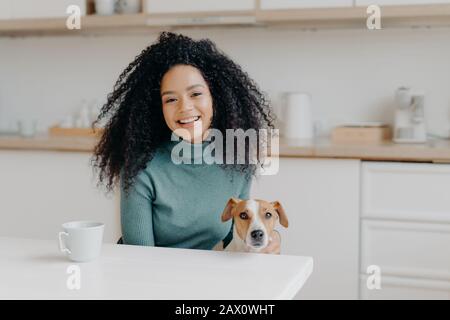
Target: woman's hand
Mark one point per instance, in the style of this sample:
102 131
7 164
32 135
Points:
274 245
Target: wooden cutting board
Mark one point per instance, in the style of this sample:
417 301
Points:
75 132
363 134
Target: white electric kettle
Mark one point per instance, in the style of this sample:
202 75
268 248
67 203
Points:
297 116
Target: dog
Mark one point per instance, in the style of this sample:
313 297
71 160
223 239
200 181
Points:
254 221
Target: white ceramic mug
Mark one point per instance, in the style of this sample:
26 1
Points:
81 241
105 7
27 127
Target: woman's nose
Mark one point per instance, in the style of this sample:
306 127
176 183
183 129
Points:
186 105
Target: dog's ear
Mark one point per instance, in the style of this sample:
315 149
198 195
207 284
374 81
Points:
281 213
226 215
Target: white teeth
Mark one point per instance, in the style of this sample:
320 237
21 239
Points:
189 120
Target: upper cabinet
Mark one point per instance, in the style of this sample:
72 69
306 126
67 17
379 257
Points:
25 17
177 6
24 9
399 2
302 4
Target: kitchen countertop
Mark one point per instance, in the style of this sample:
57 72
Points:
432 151
43 141
35 269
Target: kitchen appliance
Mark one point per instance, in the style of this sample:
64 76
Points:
409 123
128 6
297 116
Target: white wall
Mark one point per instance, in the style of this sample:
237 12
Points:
351 74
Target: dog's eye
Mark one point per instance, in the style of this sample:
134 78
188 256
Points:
243 215
268 215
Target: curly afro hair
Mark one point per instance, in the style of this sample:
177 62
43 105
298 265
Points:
135 125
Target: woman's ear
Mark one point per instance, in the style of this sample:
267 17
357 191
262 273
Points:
281 213
226 215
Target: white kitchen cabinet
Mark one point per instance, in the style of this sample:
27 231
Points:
405 229
401 288
321 198
24 9
406 191
407 249
39 190
178 6
302 4
399 2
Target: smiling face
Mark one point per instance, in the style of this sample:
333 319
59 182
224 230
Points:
187 103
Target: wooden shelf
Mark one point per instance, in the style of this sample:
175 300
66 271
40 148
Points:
417 15
391 16
416 11
202 19
95 23
58 25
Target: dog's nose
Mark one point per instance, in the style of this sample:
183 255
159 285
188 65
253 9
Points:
257 234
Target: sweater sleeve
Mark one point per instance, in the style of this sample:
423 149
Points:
136 212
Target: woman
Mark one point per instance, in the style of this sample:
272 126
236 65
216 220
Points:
177 85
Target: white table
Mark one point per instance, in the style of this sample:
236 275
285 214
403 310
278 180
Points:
35 269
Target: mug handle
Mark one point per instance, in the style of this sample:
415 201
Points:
62 243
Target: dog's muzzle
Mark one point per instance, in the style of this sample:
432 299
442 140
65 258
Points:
257 238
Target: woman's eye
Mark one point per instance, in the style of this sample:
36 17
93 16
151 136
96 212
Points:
268 215
195 94
243 216
170 100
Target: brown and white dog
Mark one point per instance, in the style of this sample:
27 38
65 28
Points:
254 221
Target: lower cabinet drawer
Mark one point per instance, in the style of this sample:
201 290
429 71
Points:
406 249
405 191
393 288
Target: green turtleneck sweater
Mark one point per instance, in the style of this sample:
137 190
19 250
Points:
180 205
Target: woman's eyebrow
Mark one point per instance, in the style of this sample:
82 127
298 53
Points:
187 89
194 86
